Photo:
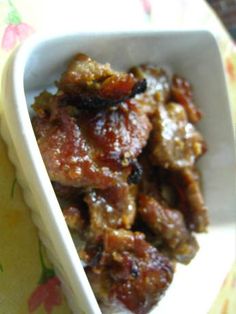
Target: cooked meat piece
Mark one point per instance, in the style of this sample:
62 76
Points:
119 134
169 225
158 86
130 271
185 251
191 200
175 143
67 193
73 218
91 149
112 208
176 189
68 157
155 182
181 92
93 85
44 103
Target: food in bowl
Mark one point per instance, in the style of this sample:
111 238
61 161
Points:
121 150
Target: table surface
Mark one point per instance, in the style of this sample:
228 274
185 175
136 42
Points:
28 283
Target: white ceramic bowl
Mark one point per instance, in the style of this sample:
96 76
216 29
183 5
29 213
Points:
194 55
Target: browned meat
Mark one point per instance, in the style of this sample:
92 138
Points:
181 92
176 189
45 103
130 271
68 156
74 218
94 85
112 208
155 182
191 200
119 134
169 225
91 149
67 193
158 86
175 144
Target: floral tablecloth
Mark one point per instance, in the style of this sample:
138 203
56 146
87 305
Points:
27 280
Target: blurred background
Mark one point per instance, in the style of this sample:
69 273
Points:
226 10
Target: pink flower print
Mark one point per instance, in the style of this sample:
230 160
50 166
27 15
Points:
14 33
9 38
147 6
23 31
47 294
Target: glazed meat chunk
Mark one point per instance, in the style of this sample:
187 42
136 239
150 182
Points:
175 143
91 149
176 189
130 271
120 134
93 85
73 218
112 208
181 92
158 86
67 155
169 225
191 201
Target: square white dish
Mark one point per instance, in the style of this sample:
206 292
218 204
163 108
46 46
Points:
194 55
